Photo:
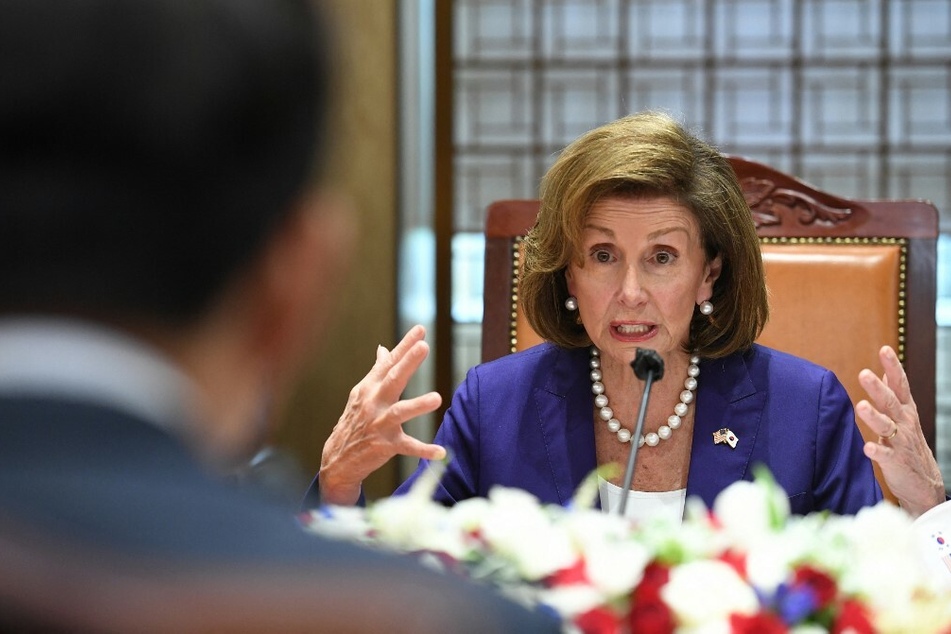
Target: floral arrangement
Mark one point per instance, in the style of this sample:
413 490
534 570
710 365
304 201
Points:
746 565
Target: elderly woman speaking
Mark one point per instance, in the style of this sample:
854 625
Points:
643 240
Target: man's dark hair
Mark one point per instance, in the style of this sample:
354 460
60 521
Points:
148 147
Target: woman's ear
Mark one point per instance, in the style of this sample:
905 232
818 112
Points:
712 273
569 282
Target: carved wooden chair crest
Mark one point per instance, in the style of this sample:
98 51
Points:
845 277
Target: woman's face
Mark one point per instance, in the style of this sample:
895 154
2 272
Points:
643 271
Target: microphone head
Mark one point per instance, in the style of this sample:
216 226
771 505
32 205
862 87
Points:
646 362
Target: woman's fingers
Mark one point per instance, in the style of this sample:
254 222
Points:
906 461
884 399
878 423
895 377
393 382
419 449
370 429
406 410
386 359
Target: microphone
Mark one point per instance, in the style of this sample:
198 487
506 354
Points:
648 367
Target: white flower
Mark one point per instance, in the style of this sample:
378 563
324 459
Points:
926 614
707 591
808 629
616 568
468 515
409 524
751 511
884 566
516 543
521 530
771 560
614 559
571 600
768 564
829 542
340 522
696 538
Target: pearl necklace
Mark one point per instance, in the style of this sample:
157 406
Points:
665 431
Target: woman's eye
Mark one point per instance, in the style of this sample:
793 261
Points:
602 256
663 257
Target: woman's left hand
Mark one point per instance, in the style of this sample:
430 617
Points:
907 462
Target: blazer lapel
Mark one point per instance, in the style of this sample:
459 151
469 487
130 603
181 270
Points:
564 414
726 398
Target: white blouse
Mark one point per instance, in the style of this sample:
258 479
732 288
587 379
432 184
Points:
642 505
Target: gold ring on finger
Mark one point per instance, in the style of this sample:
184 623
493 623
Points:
891 435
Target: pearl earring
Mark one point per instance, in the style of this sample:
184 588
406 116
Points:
571 303
706 307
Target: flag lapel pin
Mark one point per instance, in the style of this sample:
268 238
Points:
725 436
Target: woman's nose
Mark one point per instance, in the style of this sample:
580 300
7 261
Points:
632 289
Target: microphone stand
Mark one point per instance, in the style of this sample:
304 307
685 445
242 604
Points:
648 366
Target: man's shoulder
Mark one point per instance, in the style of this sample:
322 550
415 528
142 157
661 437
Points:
97 475
125 500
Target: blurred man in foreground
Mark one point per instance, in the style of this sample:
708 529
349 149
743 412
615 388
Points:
165 256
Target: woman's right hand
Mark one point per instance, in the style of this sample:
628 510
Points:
370 431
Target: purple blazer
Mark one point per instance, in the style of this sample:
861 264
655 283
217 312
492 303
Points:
525 421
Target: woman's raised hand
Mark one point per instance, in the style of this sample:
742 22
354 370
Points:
907 463
370 431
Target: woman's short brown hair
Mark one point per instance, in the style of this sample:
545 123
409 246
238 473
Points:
647 154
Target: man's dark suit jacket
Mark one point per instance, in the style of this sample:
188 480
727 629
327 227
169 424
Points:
96 481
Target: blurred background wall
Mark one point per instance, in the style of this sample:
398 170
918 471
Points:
364 166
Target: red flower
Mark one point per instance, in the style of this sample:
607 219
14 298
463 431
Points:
759 623
735 560
649 614
852 617
819 582
656 576
651 617
575 573
599 621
